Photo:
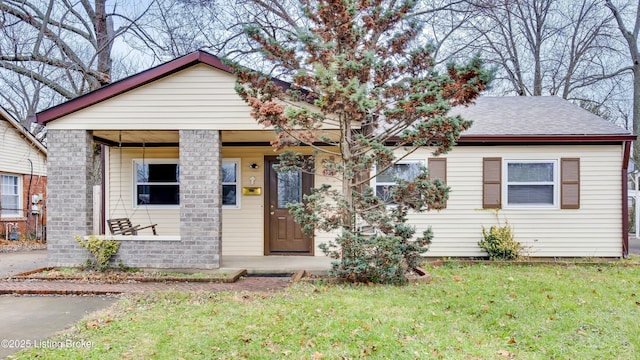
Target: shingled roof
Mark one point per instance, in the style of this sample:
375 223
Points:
519 116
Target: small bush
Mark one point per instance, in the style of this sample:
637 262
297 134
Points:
498 242
102 251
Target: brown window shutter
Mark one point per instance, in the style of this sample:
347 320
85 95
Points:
491 183
569 183
438 170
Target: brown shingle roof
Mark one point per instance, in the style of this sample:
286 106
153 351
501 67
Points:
533 116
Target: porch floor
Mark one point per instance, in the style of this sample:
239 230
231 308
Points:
277 264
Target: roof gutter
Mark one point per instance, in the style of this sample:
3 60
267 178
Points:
507 139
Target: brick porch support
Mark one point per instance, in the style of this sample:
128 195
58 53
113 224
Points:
69 195
200 198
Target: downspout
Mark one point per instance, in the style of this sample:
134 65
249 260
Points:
28 207
103 186
625 199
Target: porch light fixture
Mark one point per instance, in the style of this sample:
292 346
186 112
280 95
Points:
254 166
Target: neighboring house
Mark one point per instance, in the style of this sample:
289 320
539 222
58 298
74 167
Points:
181 150
23 175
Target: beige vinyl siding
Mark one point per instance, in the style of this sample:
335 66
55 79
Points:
199 97
242 227
120 189
592 230
16 151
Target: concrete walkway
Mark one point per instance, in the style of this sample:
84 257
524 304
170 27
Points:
12 263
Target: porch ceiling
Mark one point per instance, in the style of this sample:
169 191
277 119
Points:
171 138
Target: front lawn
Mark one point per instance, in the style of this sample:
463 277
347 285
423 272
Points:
467 312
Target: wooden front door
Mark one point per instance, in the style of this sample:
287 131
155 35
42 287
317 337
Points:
282 234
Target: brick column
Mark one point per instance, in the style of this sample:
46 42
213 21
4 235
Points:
200 198
69 195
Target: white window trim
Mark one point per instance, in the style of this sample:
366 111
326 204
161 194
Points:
17 214
238 163
555 183
134 182
375 183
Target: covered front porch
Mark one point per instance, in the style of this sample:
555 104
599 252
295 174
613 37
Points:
213 194
169 136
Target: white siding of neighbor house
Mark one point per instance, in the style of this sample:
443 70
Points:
199 97
242 228
16 151
592 230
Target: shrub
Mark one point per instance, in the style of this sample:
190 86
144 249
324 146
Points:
499 243
102 251
378 258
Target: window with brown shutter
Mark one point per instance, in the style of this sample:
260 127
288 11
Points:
491 183
530 183
569 183
438 170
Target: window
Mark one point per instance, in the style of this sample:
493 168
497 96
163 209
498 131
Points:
531 183
230 176
157 182
387 179
10 190
289 188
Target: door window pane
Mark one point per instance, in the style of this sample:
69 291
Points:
289 188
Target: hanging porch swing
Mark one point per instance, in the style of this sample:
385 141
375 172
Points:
123 225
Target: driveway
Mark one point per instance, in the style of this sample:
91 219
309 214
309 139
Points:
12 263
28 320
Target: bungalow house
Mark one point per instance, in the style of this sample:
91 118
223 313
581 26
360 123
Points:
181 151
23 179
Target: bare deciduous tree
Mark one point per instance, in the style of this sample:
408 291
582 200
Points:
61 48
630 35
549 47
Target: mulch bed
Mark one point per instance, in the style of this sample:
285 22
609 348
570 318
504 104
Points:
114 276
21 245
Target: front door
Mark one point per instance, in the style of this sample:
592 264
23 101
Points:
282 234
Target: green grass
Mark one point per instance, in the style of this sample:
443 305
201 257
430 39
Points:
467 312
